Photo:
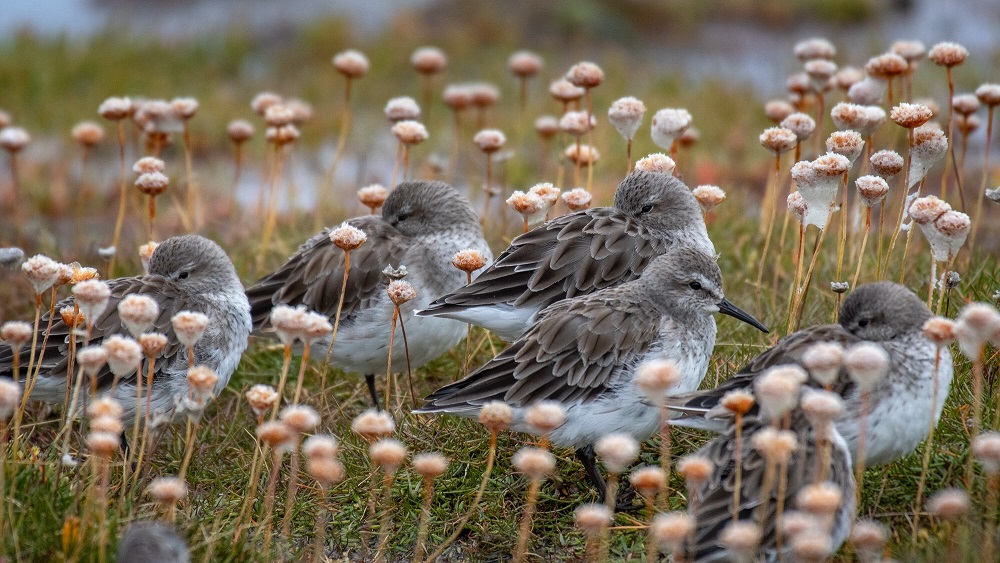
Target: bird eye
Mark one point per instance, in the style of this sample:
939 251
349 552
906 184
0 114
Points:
183 275
863 323
695 286
646 208
402 216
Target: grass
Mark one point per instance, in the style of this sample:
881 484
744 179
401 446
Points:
42 501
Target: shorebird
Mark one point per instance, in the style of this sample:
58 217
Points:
583 353
422 226
579 253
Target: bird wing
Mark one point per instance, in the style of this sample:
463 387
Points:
571 255
55 353
313 276
570 355
788 350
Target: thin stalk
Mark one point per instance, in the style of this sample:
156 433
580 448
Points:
803 289
992 492
928 447
266 519
859 462
345 128
388 366
590 141
302 373
336 319
395 165
192 429
293 485
271 215
978 217
770 210
253 484
409 370
902 205
909 234
977 405
425 516
864 242
488 193
385 519
738 467
192 188
19 413
122 196
238 170
286 360
665 455
319 533
524 530
842 235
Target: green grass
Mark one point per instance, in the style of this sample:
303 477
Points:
49 73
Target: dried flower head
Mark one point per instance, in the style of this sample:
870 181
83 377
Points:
939 330
468 260
103 444
351 63
321 446
577 123
114 109
737 401
625 114
545 416
820 71
848 76
948 54
534 463
146 253
92 359
695 469
821 407
655 378
648 480
929 146
965 104
741 538
372 196
872 189
138 313
656 162
910 116
484 94
529 205
524 64
326 470
289 323
584 155
577 199
428 60
777 390
152 183
184 108
909 49
107 424
239 131
823 360
801 124
797 206
813 547
845 143
986 449
189 326
167 491
866 363
10 396
278 115
585 75
457 96
668 124
430 465
401 109
410 132
16 334
105 407
400 291
778 110
262 399
867 92
976 323
42 272
709 197
815 48
886 66
798 84
547 126
778 139
347 237
564 91
949 504
88 133
617 451
276 434
988 94
924 210
490 140
152 344
671 530
302 419
496 416
775 445
887 163
592 518
968 124
124 354
264 100
373 424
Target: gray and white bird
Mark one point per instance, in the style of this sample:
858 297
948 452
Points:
712 507
185 273
883 313
579 253
583 353
149 542
422 226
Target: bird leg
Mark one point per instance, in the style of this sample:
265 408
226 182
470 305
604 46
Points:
370 381
623 502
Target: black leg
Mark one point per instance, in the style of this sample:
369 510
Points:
370 381
589 460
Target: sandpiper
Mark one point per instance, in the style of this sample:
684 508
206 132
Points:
185 273
579 253
422 226
883 313
583 353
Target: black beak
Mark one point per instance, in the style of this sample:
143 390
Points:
727 308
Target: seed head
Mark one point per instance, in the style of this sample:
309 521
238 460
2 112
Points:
655 378
625 114
887 163
278 115
528 205
430 465
986 448
152 183
152 344
939 330
428 60
400 291
863 119
778 110
468 260
775 445
924 210
490 140
823 360
741 538
577 199
798 84
276 434
867 92
264 100
546 191
695 469
737 401
910 116
410 132
167 491
189 326
239 131
372 196
138 313
326 471
821 407
585 75
948 54
800 124
709 197
820 71
812 546
524 64
845 143
103 444
534 463
866 364
373 424
302 419
988 94
872 189
107 424
105 407
401 109
777 390
16 334
146 252
547 126
88 133
778 139
496 416
592 518
667 126
457 96
968 124
977 323
949 504
351 63
671 530
815 48
184 108
114 109
92 359
848 76
262 399
148 165
797 206
10 396
648 480
347 237
564 91
584 155
545 416
576 123
617 451
289 323
42 272
886 66
321 446
484 94
124 354
965 104
909 50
